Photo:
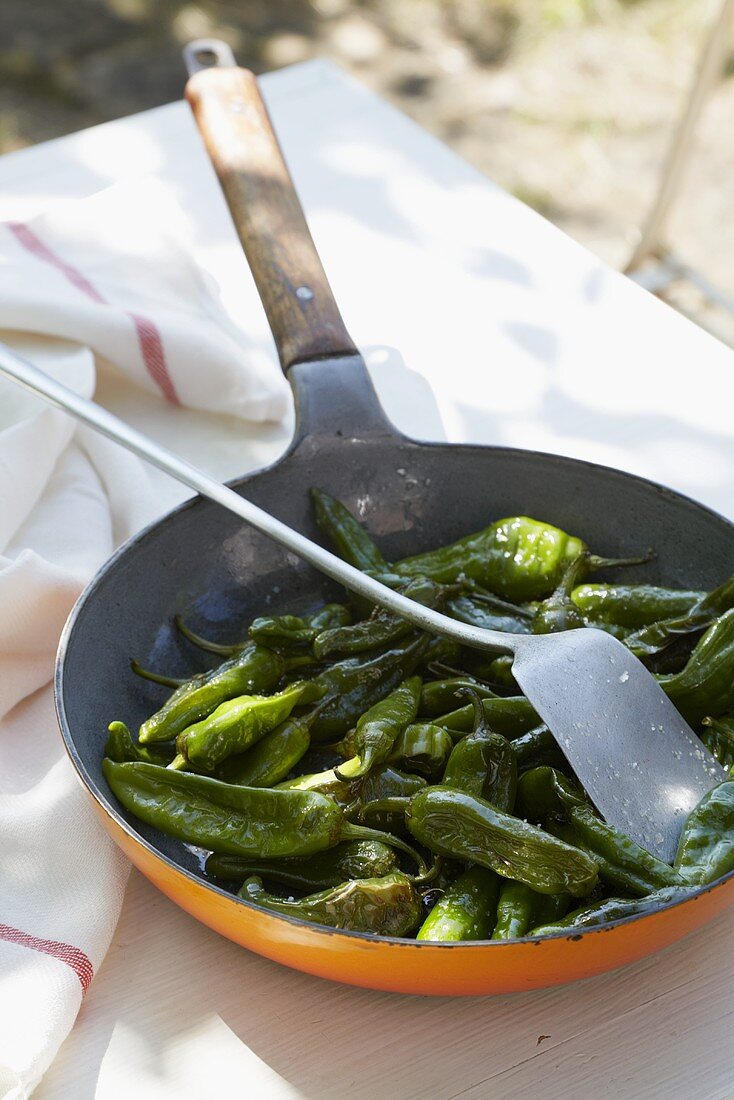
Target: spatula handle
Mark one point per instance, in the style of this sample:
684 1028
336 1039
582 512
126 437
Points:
239 137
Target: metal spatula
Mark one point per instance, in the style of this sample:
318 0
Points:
642 765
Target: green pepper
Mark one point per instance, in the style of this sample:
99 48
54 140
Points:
348 537
294 632
385 782
382 627
357 683
386 906
560 805
706 848
237 724
510 716
517 558
352 859
652 639
121 748
544 791
272 757
718 737
253 670
520 908
423 748
483 764
466 911
632 605
441 696
623 864
255 822
706 685
500 673
537 747
324 782
601 912
489 612
379 728
559 612
458 825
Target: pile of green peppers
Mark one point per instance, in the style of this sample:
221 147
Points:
343 768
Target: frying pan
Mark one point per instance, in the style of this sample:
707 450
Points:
201 561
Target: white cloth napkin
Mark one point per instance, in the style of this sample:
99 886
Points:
107 273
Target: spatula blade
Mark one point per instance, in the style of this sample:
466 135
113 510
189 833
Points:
646 777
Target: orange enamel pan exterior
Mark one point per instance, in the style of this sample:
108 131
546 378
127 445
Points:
203 562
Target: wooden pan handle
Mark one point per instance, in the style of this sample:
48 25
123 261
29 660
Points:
239 137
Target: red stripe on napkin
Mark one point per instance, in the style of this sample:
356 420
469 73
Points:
149 338
72 956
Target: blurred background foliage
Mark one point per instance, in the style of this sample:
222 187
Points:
567 103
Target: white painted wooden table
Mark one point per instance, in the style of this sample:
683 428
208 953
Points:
479 322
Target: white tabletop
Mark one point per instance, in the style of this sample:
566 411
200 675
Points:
480 322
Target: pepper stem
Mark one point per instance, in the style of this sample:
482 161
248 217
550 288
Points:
498 604
155 677
361 832
178 763
396 804
593 561
475 699
423 880
204 643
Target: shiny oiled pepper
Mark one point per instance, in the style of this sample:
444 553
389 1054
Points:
510 716
705 686
718 737
379 728
466 911
489 612
499 673
520 908
517 558
385 783
537 747
706 849
348 537
386 906
559 612
274 755
257 822
483 764
237 724
357 683
389 782
457 825
352 859
295 632
602 912
324 782
649 640
439 697
253 670
549 797
632 605
623 864
423 748
121 748
382 628
544 791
